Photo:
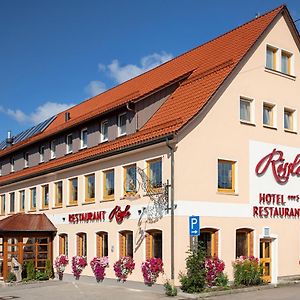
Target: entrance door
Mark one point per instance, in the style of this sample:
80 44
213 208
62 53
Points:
265 258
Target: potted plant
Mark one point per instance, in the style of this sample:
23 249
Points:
124 267
98 265
78 264
60 264
151 269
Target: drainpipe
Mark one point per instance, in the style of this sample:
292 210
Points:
172 208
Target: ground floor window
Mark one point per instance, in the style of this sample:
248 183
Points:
126 243
81 244
209 239
102 244
154 244
244 242
63 244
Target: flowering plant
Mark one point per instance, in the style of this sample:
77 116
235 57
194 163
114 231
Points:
214 268
151 269
98 265
78 264
60 264
124 267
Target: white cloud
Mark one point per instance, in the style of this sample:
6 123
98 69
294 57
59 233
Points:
95 87
40 114
123 73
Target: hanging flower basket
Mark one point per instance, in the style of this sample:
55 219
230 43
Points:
60 264
151 269
123 268
98 265
78 264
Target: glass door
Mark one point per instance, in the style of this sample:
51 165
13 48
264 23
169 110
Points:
265 258
12 251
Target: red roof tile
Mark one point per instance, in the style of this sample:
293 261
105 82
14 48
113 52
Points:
202 69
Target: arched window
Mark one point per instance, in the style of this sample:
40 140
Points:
126 243
102 243
63 244
154 244
209 240
244 242
81 244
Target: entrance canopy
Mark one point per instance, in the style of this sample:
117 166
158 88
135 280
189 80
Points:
27 223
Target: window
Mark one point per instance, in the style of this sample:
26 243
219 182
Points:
246 110
90 188
126 243
130 180
81 244
122 124
12 164
33 199
0 170
12 202
102 244
154 244
26 160
45 196
154 172
109 184
42 154
2 207
58 194
226 176
271 58
244 242
268 114
73 196
83 138
63 244
53 149
104 131
286 62
208 239
289 119
22 200
69 143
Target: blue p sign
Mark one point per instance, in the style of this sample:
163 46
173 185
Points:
194 222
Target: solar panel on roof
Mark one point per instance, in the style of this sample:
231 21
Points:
29 132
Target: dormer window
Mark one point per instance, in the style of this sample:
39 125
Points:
83 138
122 124
42 154
53 149
12 164
26 160
104 131
69 142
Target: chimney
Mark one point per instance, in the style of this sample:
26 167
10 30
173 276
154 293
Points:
9 139
67 116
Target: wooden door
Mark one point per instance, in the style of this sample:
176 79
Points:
266 258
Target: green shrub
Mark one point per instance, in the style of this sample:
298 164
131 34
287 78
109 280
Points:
170 289
49 269
39 275
222 280
194 279
247 271
11 277
30 270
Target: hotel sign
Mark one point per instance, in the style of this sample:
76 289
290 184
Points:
117 213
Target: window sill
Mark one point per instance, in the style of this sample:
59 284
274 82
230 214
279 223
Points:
70 152
44 208
247 123
82 148
57 206
131 197
290 131
88 202
104 141
275 72
72 204
32 210
229 193
269 127
107 199
51 158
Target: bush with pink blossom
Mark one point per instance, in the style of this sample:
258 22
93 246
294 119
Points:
151 269
98 265
60 264
78 264
214 268
124 267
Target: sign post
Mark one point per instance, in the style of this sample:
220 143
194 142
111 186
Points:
194 231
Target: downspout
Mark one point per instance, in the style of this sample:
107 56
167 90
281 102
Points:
172 209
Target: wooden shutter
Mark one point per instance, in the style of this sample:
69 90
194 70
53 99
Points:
215 243
79 244
148 245
250 237
121 244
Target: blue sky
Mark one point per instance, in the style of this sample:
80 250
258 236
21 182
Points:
56 53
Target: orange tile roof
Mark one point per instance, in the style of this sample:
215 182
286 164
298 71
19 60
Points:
201 70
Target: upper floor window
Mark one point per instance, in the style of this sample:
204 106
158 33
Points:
26 160
53 149
45 196
12 164
90 188
69 143
58 193
109 184
73 192
122 124
154 172
2 204
268 114
83 138
130 179
33 199
104 131
42 154
246 110
12 202
289 123
22 200
271 58
286 62
226 176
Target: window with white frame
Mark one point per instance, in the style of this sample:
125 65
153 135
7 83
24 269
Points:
286 62
268 114
271 62
246 110
26 160
288 119
122 124
22 200
69 143
42 153
104 131
12 202
53 149
12 164
83 138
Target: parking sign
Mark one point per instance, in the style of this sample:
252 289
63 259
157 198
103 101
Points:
194 222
